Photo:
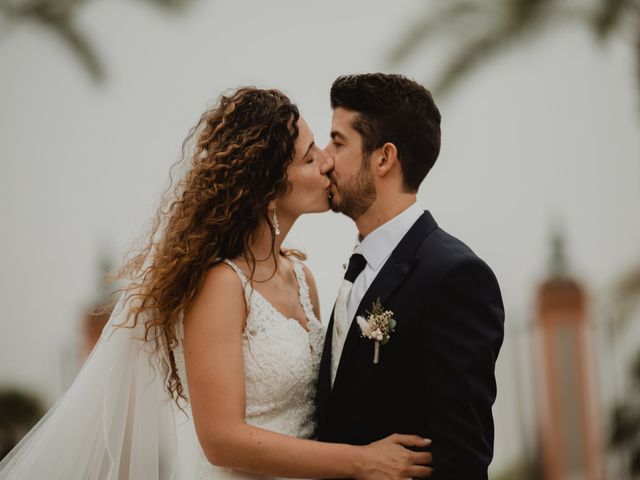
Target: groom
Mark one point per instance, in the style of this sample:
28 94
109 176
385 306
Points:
434 377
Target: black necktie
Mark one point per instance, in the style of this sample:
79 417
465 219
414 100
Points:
357 262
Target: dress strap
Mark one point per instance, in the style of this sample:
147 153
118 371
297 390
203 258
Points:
303 291
243 278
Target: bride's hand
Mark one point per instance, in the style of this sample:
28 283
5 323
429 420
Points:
389 459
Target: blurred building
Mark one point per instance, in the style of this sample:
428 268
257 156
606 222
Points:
569 418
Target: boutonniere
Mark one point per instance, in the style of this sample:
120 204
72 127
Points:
377 326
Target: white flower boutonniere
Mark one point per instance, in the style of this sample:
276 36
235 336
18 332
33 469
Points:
378 327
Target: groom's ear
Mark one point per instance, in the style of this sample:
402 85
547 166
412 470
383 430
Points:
386 159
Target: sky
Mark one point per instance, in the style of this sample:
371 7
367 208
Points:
546 135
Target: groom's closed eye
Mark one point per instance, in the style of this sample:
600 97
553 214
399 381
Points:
338 140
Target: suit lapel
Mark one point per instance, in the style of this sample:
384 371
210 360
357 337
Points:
393 272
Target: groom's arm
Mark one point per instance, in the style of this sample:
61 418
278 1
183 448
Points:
462 334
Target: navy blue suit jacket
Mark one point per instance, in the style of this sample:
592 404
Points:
435 377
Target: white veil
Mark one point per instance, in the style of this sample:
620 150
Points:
116 421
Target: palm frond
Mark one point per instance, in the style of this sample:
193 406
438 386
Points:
468 57
501 23
608 16
521 12
81 47
430 24
629 286
496 38
58 16
171 5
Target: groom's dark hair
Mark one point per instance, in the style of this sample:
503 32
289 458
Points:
395 109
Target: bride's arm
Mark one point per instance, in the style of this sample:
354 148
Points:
213 356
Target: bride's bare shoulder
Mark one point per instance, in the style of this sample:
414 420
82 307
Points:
219 281
220 297
222 274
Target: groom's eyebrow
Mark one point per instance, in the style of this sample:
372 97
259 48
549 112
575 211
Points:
335 134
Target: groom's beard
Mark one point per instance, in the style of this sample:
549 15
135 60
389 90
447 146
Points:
356 194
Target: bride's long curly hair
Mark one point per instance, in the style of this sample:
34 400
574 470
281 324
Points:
236 158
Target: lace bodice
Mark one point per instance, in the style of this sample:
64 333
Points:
281 361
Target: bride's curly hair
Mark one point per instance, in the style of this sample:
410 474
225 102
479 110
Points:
237 156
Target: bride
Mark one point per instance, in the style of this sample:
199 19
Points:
218 321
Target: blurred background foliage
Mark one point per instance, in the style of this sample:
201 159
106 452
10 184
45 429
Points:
482 29
60 18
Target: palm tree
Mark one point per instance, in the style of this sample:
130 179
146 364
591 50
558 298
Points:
59 17
482 29
19 411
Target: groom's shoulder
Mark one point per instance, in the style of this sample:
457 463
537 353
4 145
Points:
440 252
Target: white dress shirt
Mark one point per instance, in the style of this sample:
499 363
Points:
376 248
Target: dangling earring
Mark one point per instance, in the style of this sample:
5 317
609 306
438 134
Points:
274 222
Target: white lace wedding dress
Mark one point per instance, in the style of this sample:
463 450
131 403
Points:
281 361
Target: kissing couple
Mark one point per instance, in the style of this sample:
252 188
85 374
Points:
221 323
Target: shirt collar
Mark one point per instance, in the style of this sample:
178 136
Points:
378 245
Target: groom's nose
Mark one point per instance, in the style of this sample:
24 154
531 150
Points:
327 163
